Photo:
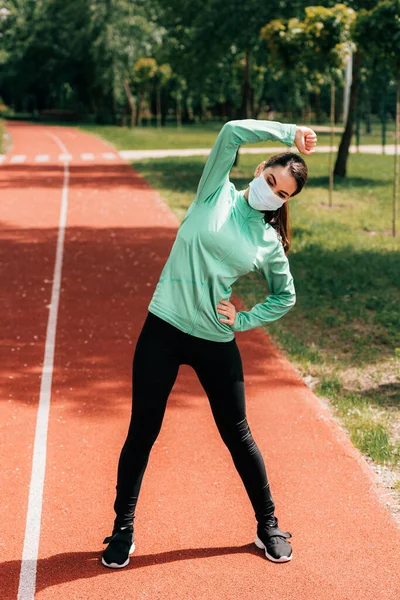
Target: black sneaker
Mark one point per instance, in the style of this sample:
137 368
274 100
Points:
271 539
120 546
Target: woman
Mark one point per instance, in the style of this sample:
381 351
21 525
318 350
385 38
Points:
225 234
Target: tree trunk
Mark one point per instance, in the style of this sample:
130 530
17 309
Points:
139 109
204 116
396 153
131 101
367 114
252 107
347 86
305 112
343 151
229 109
318 106
179 110
383 119
189 108
158 93
358 121
245 109
338 106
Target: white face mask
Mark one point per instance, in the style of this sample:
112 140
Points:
261 196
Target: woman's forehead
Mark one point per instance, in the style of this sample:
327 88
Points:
283 177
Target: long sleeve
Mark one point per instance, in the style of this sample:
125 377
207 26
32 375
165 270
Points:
282 298
222 156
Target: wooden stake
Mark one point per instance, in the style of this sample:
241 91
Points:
332 134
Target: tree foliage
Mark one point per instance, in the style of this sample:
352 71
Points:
211 56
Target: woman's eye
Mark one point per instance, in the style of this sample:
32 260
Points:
272 185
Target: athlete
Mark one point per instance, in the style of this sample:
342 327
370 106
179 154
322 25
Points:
226 233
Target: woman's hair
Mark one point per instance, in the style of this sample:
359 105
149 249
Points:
279 219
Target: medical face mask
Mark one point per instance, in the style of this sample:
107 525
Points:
261 196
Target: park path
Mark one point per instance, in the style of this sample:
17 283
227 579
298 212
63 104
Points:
82 246
143 154
110 154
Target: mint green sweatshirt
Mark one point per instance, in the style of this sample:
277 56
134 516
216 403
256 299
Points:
221 238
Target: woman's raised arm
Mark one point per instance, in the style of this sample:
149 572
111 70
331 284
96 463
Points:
222 156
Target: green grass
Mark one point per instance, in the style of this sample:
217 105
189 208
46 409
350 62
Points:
369 428
152 138
198 136
345 329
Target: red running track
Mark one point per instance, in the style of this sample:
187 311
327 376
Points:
195 527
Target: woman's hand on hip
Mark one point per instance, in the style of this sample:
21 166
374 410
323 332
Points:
228 310
305 140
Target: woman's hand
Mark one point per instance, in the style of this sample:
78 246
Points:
305 140
226 308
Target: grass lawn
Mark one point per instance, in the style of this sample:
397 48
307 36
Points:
343 335
199 136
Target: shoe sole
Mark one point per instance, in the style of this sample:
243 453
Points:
261 545
116 565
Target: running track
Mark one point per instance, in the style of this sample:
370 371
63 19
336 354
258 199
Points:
73 306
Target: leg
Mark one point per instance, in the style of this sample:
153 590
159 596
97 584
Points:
220 371
155 368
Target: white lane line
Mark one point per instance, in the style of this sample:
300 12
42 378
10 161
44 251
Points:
65 156
87 156
27 581
42 158
109 155
18 158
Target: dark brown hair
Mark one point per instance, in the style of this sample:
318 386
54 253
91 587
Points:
279 219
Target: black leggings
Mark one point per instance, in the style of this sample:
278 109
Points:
160 349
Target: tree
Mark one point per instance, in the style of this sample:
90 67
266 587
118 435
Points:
178 86
357 62
313 50
379 30
46 46
161 77
144 72
221 45
328 34
78 53
122 33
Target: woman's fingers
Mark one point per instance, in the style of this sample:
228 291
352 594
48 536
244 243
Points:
224 311
309 144
227 308
305 140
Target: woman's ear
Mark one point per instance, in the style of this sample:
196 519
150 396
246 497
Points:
259 169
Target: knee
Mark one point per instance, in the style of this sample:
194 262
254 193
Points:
243 430
141 439
239 436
